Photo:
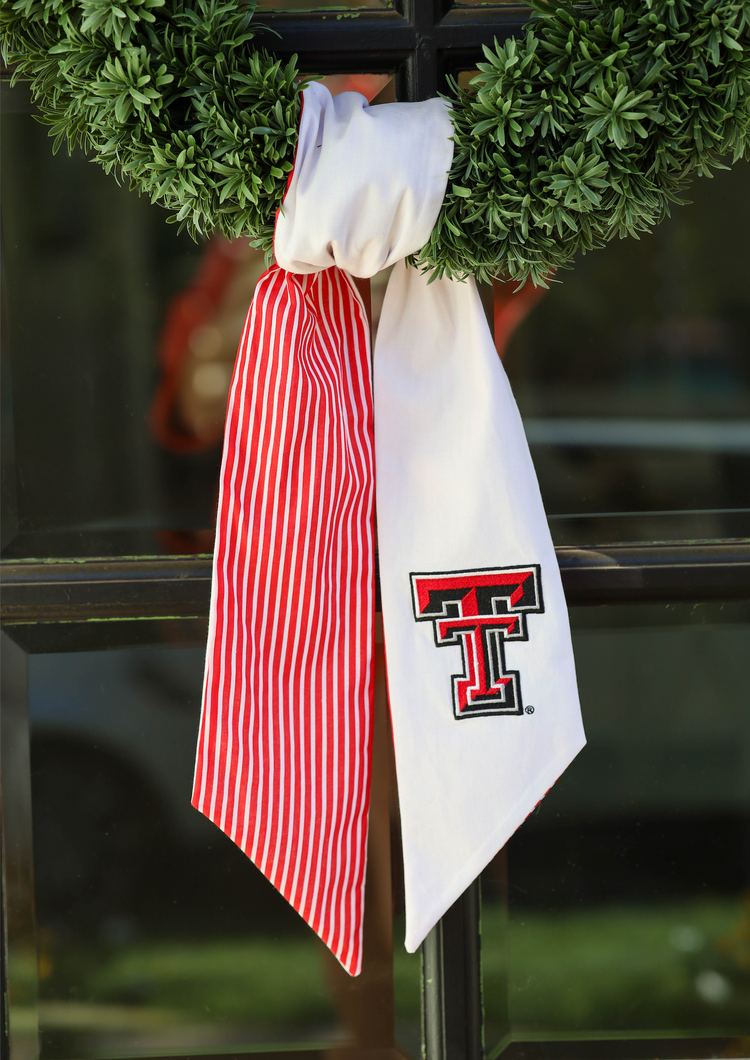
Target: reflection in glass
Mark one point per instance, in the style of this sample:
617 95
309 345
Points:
156 933
633 378
633 374
122 339
622 905
90 272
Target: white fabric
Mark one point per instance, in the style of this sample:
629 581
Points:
368 192
456 491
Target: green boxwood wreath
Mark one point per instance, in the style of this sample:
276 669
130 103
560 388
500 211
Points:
586 128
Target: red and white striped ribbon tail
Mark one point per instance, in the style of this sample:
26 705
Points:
283 763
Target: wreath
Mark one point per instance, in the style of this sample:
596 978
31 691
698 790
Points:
586 128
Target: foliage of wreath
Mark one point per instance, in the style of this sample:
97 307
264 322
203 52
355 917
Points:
173 97
586 128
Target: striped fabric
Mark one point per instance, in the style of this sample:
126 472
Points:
283 758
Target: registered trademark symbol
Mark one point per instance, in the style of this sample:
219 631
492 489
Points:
529 710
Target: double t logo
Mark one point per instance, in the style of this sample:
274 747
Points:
479 610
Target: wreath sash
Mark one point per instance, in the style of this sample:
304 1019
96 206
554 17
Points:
466 560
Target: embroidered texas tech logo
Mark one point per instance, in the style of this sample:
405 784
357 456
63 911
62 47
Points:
479 610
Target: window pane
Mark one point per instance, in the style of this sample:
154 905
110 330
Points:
122 335
91 270
633 377
619 910
155 933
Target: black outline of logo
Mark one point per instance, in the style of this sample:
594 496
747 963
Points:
507 699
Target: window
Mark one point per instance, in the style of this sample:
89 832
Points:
615 923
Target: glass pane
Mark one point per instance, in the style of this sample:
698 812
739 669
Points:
155 933
92 274
121 337
633 378
620 909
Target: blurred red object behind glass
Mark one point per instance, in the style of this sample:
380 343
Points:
198 346
510 309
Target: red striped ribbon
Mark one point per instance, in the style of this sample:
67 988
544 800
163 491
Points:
283 762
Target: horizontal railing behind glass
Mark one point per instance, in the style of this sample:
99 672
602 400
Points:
179 586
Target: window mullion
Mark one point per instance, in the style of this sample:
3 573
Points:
452 1017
